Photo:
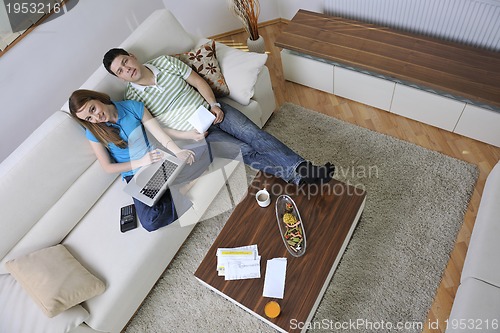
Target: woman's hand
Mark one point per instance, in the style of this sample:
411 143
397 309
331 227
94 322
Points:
186 155
218 113
151 157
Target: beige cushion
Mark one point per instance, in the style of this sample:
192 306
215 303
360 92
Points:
203 60
54 279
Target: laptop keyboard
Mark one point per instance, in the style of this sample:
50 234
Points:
160 177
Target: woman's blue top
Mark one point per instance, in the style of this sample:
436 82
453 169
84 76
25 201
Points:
132 131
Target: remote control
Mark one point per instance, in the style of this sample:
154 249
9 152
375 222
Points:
128 219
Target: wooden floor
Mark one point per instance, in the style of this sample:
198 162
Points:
483 155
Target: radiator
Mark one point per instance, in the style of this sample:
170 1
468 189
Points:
471 22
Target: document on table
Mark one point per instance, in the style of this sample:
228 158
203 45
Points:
201 119
238 263
274 281
243 269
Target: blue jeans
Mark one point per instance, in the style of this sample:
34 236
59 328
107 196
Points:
159 215
259 149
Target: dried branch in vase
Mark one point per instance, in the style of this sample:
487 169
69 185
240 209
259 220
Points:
248 12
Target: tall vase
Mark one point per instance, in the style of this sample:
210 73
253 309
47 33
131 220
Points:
258 45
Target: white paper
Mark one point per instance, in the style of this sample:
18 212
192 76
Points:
274 281
242 269
243 253
201 119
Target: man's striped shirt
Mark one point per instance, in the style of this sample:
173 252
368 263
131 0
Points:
172 100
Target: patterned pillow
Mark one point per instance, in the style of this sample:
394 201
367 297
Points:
203 61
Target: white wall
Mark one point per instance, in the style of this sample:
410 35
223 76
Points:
288 8
471 22
39 73
209 18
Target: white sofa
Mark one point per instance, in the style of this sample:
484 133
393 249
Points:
53 191
477 303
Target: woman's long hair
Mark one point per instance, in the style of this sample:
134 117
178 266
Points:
105 134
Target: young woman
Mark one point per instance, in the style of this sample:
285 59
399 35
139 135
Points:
117 134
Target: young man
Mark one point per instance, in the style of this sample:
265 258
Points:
172 92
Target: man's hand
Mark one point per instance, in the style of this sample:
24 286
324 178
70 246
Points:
218 113
187 155
195 135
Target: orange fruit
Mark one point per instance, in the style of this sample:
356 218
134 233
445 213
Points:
272 309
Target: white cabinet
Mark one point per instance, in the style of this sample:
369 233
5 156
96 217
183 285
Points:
480 124
363 88
423 106
309 72
426 107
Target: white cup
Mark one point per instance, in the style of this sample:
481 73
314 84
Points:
263 198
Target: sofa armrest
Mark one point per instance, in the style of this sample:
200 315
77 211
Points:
262 104
264 95
481 261
475 309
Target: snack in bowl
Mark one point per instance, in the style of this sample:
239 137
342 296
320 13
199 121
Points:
290 225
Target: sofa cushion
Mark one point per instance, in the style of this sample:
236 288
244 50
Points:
203 60
36 184
481 261
240 70
18 312
43 194
130 263
475 308
160 34
54 279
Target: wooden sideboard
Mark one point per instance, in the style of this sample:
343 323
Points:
444 84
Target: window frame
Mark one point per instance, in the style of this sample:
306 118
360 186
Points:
32 27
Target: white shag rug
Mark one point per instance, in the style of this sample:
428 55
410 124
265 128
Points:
393 265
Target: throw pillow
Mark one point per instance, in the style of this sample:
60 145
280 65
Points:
241 70
203 60
54 279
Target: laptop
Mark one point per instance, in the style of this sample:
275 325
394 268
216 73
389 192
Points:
151 181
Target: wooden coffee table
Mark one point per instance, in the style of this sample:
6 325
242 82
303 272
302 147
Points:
329 218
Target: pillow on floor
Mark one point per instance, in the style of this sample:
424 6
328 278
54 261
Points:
203 60
54 279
